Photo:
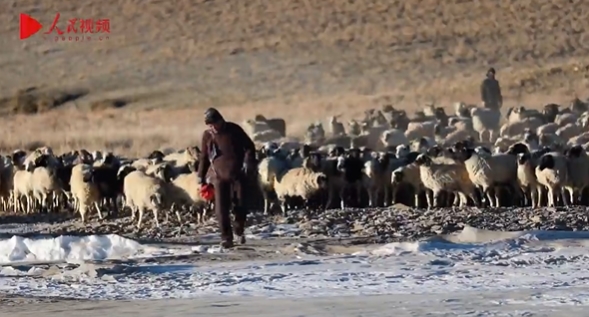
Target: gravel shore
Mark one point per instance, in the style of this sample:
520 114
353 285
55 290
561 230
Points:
381 225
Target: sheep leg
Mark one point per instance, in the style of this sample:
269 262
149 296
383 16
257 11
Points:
540 191
387 196
283 206
371 197
563 196
98 210
199 216
266 202
332 191
45 202
551 197
342 196
497 196
535 197
30 204
490 198
436 198
83 208
571 191
475 199
482 136
140 220
459 199
429 197
155 217
16 203
178 217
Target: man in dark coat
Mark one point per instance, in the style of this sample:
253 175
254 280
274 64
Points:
230 154
491 91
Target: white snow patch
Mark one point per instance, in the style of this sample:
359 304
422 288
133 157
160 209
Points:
20 250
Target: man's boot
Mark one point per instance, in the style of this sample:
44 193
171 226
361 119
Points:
227 244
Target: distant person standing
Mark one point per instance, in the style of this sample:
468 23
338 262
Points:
491 91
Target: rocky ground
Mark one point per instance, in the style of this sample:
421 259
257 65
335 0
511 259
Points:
380 225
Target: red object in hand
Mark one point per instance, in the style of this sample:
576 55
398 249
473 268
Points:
207 192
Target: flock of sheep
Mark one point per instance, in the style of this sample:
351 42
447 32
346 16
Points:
430 160
434 159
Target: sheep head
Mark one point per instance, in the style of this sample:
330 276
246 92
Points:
523 158
259 117
423 160
388 108
164 172
517 148
398 176
321 180
575 152
124 171
156 155
546 162
305 150
435 151
402 151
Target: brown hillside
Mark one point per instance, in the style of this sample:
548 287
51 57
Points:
299 59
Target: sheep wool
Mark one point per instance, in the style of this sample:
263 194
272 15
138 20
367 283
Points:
486 171
526 176
444 177
411 175
185 190
299 182
84 192
143 192
23 190
578 168
270 169
552 172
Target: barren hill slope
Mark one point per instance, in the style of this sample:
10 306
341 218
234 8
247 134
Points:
299 58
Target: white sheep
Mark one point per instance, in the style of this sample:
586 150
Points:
569 130
547 128
440 177
185 191
447 136
299 182
83 190
408 174
488 170
336 127
417 130
270 169
23 189
563 119
376 178
45 185
526 176
393 138
143 192
552 172
485 121
578 171
519 127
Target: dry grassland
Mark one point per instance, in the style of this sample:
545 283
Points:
146 86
